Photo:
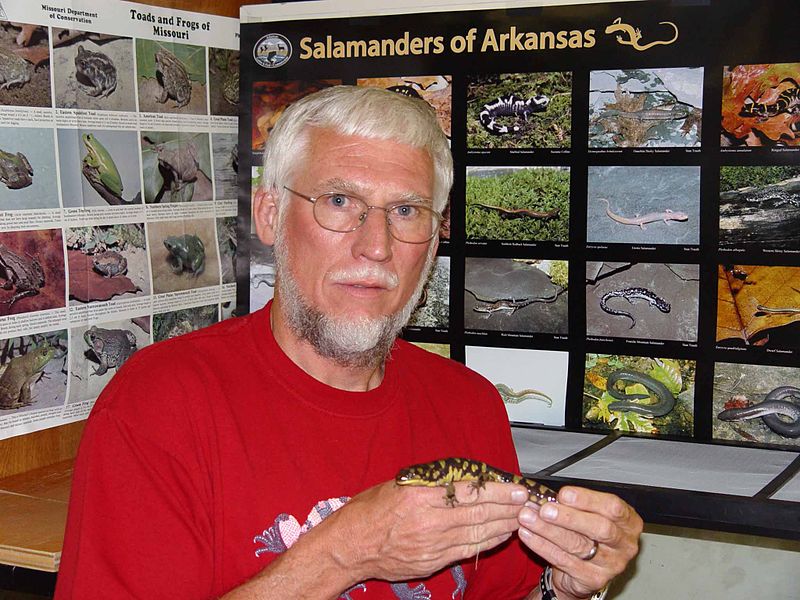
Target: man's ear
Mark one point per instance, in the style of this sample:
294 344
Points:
265 214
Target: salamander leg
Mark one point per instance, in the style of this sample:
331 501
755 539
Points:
450 494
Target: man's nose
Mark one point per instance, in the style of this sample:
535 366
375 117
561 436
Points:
373 239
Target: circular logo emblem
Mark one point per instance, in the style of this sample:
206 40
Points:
272 51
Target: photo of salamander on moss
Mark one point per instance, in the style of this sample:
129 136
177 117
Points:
32 375
639 394
519 110
759 207
518 203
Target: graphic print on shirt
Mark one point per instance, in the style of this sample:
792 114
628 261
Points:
286 530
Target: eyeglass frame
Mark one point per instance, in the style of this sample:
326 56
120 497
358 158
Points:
363 217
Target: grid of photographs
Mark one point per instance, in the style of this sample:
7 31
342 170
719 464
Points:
118 203
665 191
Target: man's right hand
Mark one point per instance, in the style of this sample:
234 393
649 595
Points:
410 532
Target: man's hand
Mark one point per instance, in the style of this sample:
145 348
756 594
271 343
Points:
410 532
562 533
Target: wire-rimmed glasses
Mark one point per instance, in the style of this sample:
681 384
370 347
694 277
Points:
409 222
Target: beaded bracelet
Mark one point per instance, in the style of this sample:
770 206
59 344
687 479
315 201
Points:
548 593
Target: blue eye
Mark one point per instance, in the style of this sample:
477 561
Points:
337 201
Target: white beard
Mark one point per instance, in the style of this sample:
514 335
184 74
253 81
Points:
352 342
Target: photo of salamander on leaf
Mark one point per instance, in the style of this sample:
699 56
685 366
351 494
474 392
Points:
759 207
636 108
639 394
758 306
519 110
518 203
757 404
642 300
761 105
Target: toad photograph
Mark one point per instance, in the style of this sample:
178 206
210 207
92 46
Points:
183 254
639 394
434 89
98 351
516 295
760 105
172 77
759 207
33 372
643 205
758 306
27 169
433 308
99 167
642 300
530 395
517 204
176 167
24 65
93 71
226 165
31 271
107 262
223 67
645 108
177 322
519 110
226 236
757 404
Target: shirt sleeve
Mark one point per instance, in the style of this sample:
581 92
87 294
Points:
138 523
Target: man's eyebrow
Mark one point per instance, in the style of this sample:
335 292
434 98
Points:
344 186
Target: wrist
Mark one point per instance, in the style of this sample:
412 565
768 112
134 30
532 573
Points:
549 591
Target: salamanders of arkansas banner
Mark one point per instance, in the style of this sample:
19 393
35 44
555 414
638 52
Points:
620 251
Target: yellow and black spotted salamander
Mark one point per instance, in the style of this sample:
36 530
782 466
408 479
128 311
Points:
446 471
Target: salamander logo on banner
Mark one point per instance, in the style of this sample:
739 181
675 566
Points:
272 51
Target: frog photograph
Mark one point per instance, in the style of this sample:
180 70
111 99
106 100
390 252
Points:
93 70
31 271
639 394
223 70
33 375
103 172
226 237
176 167
107 262
183 254
171 77
177 322
226 164
24 65
27 169
98 351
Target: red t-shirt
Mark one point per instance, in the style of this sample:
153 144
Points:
209 454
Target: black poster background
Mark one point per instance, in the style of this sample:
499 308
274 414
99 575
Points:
712 34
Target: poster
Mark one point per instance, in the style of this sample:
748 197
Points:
621 248
118 198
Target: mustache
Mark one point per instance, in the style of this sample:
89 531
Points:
371 273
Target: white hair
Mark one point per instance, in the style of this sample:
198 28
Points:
359 111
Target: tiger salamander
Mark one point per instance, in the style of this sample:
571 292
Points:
447 471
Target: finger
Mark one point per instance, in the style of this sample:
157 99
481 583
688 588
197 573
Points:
490 492
610 506
569 540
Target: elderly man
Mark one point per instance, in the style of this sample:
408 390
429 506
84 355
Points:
255 458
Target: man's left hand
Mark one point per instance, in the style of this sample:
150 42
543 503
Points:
564 534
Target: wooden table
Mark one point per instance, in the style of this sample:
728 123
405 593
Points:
33 515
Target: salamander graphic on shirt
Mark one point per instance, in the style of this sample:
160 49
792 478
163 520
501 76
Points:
286 530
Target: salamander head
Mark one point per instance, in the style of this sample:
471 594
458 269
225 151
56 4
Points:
424 474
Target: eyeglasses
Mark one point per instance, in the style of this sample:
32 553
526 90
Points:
408 222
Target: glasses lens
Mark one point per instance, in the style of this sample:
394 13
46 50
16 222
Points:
338 212
413 223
